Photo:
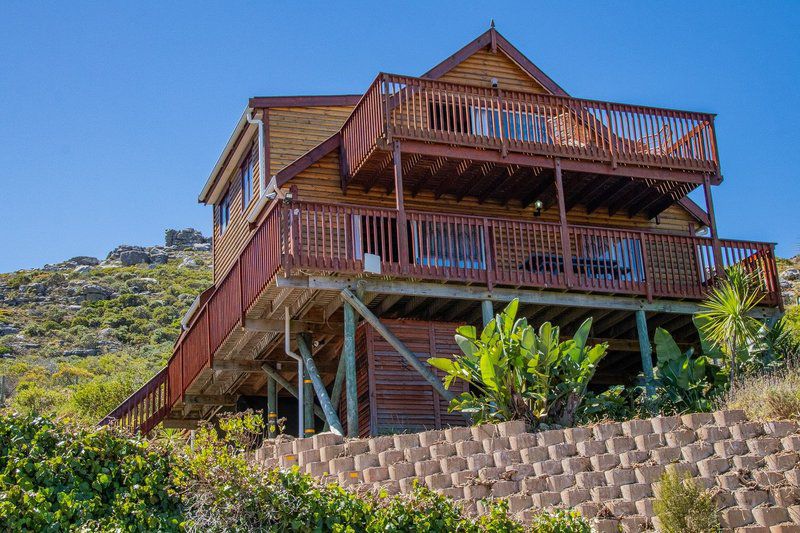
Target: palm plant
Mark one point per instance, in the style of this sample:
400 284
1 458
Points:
726 319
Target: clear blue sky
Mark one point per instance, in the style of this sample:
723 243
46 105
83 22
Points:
112 114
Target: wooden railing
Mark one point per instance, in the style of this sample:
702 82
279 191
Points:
470 249
208 329
402 107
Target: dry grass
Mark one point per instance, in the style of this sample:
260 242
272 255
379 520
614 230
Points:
772 396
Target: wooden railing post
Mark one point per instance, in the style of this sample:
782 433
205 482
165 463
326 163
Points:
648 286
566 246
719 267
384 93
489 253
402 224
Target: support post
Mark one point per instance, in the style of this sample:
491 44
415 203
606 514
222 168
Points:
303 342
291 389
272 408
647 354
349 355
308 405
397 344
402 225
487 311
562 218
712 220
338 385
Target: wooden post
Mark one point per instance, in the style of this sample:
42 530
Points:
338 385
308 405
349 355
562 217
304 343
647 354
402 225
272 408
712 220
487 310
397 344
291 389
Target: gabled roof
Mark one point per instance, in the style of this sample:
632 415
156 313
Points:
493 40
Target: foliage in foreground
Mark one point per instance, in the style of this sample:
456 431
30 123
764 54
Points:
683 507
520 373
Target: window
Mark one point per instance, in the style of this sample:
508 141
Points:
517 125
224 208
448 245
247 182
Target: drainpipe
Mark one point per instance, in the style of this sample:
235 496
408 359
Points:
287 343
262 157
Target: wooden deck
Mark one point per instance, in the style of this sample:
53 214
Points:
302 238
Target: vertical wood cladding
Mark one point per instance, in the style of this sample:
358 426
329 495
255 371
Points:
392 396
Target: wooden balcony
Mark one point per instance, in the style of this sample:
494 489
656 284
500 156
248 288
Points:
336 239
438 121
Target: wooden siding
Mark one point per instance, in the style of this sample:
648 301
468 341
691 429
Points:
392 396
482 66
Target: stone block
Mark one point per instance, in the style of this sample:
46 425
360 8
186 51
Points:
573 496
429 438
713 466
546 499
418 453
443 449
729 417
490 473
326 439
794 513
605 525
550 437
317 469
576 435
452 464
730 448
341 464
506 458
767 478
375 474
697 451
633 458
287 460
561 450
588 510
520 471
550 468
301 445
793 476
454 493
465 448
764 446
479 460
746 430
407 484
620 476
348 478
729 481
404 441
633 524
634 428
426 468
560 482
785 496
604 493
590 448
791 443
782 461
366 460
644 507
534 455
648 442
532 485
457 434
381 444
713 434
747 498
398 471
697 420
476 492
484 431
356 447
589 480
494 444
636 491
620 508
504 488
607 430
285 447
463 476
649 473
328 453
606 461
747 462
780 428
438 481
389 457
512 427
663 456
786 527
573 465
522 441
770 516
679 438
682 469
308 456
734 517
519 502
665 424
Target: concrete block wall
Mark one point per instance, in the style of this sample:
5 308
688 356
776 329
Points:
609 472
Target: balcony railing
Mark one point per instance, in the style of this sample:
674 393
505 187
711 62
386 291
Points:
402 107
469 249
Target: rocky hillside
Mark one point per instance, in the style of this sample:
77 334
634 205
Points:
65 324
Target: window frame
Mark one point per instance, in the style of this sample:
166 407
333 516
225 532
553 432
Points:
247 168
224 212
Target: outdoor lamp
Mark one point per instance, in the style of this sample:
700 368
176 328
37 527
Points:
537 205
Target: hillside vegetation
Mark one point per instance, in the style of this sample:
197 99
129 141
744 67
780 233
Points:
78 337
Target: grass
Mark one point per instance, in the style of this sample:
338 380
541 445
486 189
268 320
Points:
771 396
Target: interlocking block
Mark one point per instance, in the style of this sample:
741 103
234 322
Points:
456 434
665 455
452 464
793 476
665 424
519 502
454 493
620 508
782 461
429 438
561 450
636 491
746 430
729 417
418 453
696 420
770 516
522 441
341 464
495 443
764 446
479 460
786 496
326 439
317 469
679 438
590 448
682 469
476 492
506 458
747 462
560 482
768 478
328 453
620 444
490 473
573 465
504 488
734 517
389 457
605 525
543 500
791 443
588 510
648 442
308 456
605 493
348 478
356 447
730 448
780 428
427 468
606 461
747 498
633 458
381 444
633 524
729 481
398 471
407 484
649 473
794 513
406 440
443 449
589 480
550 437
620 476
469 447
713 434
573 496
512 427
534 455
550 467
484 431
634 428
438 481
285 447
520 471
375 474
533 485
288 460
576 435
713 466
366 460
697 451
463 476
644 507
607 430
301 445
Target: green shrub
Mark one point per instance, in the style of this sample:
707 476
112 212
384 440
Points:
771 396
683 507
560 521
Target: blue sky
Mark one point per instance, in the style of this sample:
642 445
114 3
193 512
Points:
112 114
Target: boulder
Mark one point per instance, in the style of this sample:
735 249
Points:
792 274
81 352
134 257
188 262
84 260
184 238
8 329
95 293
139 285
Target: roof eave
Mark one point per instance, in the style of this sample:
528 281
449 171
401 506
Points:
234 139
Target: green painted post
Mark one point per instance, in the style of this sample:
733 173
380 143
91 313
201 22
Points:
272 408
647 353
338 385
349 354
304 344
308 405
487 310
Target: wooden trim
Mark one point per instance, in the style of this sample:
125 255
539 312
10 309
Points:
305 161
694 210
304 101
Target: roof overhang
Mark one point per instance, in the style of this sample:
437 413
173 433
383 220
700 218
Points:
208 191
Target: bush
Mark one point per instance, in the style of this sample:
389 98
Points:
560 521
683 507
771 396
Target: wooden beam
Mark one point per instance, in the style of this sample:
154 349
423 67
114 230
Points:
272 408
304 343
387 303
209 399
291 389
265 325
566 252
647 354
237 365
351 379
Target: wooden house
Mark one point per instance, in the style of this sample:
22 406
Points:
430 201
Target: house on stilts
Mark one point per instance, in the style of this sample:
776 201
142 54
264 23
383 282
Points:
353 233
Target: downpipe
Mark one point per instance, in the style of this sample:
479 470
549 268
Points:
267 190
287 343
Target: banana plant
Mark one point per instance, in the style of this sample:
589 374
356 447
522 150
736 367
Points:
515 372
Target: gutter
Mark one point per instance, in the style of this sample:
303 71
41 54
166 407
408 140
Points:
287 343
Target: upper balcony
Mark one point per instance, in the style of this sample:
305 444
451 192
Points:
439 122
